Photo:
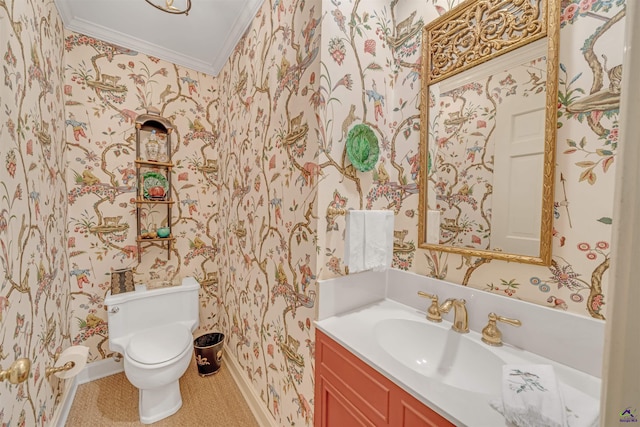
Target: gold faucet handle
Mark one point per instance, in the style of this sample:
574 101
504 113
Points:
514 322
426 295
491 334
433 312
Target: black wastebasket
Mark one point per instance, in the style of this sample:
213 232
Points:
208 352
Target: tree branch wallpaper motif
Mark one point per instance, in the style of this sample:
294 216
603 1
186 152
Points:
260 155
374 48
35 300
244 184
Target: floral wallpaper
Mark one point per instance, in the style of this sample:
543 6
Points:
35 301
371 63
259 154
244 184
105 89
266 195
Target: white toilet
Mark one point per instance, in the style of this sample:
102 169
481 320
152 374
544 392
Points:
152 329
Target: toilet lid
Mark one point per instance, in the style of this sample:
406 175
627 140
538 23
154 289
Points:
160 344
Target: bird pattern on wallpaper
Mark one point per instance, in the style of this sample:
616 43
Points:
259 156
34 292
586 149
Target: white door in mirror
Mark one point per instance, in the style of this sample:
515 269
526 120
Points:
517 183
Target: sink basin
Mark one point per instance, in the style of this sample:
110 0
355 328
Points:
441 354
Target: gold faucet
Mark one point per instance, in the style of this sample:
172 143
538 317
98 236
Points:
460 320
433 312
491 334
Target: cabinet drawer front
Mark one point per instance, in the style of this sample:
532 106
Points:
356 381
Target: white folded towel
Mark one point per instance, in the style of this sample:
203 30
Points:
354 241
378 240
368 240
524 403
530 396
582 409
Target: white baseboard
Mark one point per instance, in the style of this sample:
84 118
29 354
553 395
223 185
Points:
61 413
100 369
91 371
259 410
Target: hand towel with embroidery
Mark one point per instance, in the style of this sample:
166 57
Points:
580 409
531 397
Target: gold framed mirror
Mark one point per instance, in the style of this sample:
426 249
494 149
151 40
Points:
488 130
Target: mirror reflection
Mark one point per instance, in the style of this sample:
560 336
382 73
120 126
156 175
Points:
488 147
485 177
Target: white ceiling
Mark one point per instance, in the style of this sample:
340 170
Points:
202 40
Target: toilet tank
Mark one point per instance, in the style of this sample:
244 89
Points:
132 312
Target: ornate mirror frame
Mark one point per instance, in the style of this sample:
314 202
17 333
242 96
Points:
472 33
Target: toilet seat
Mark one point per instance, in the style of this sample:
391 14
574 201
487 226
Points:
159 344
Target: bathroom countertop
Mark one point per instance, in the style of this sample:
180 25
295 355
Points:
354 329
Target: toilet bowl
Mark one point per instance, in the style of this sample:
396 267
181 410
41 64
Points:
153 331
154 361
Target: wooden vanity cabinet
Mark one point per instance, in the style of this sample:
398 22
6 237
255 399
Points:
348 392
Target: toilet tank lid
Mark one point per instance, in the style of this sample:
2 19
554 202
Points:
188 284
159 344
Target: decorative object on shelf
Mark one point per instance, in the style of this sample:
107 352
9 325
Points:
151 227
153 181
151 231
152 147
362 147
163 232
155 186
146 234
122 281
163 157
170 8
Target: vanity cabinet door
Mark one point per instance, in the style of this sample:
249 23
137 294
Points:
335 409
351 393
407 411
355 384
